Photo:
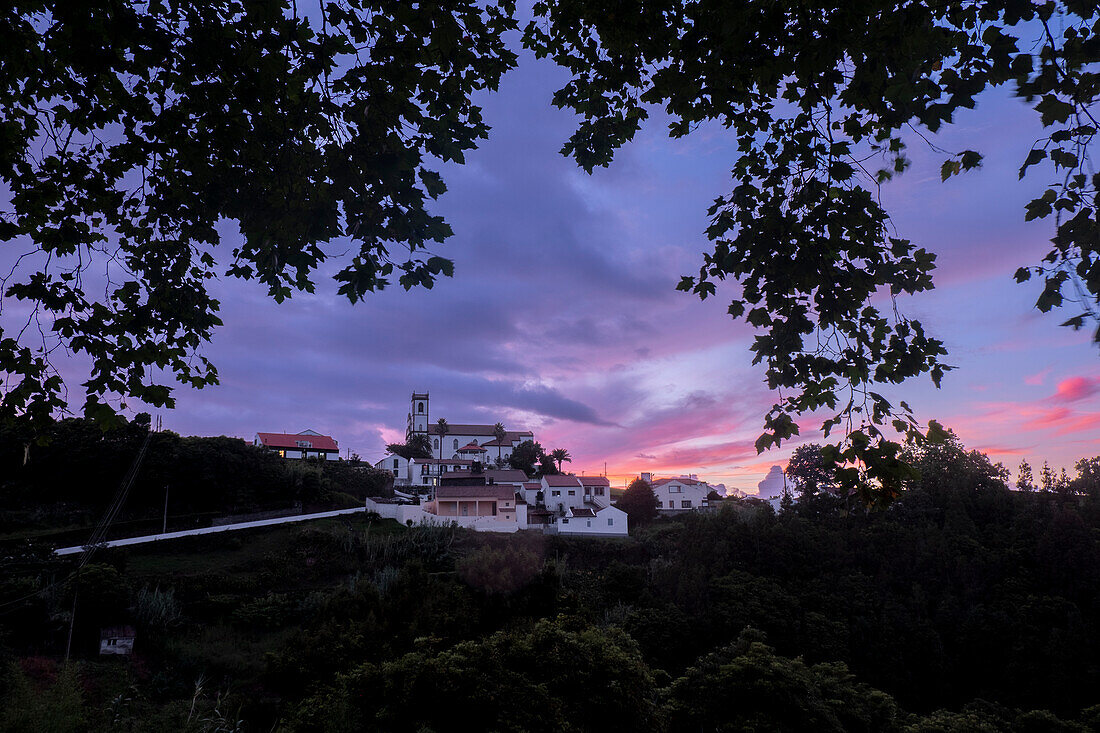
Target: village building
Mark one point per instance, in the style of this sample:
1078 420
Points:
598 521
306 444
569 504
117 640
498 502
680 494
427 472
460 439
466 488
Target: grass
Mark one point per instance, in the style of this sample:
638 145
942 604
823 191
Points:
234 552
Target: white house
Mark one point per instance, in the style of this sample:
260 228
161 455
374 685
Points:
428 471
595 521
573 505
117 640
680 494
396 465
306 444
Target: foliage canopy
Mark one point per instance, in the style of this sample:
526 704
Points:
133 133
822 98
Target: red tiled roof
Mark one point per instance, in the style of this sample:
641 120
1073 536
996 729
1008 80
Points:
684 481
562 480
583 512
500 493
506 475
595 481
290 441
471 448
532 485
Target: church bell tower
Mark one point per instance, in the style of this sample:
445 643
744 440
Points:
418 415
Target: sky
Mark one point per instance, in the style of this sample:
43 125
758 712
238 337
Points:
563 317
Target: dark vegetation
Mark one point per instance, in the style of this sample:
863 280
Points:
64 486
964 607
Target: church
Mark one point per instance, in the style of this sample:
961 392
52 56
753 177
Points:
461 440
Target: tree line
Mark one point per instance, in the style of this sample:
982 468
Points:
72 475
964 606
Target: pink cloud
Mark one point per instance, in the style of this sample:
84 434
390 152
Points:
1076 388
1079 423
710 455
996 451
1037 379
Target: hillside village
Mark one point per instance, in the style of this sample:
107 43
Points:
464 473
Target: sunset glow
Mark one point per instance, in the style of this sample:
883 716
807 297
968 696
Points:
562 317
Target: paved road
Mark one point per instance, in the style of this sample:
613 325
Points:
212 530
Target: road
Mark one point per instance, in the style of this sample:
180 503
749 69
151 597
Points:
212 530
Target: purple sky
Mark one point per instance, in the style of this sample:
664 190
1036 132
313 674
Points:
562 316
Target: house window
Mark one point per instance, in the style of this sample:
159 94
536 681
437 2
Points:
611 522
304 444
686 503
396 463
671 504
555 493
572 493
675 489
598 491
420 407
456 443
588 522
436 443
564 521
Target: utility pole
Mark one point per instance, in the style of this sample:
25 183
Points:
164 528
72 616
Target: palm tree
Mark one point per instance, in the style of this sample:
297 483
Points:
442 428
499 432
559 455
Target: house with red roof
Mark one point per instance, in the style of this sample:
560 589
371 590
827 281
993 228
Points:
569 504
306 444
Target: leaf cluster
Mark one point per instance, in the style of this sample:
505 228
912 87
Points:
135 134
821 99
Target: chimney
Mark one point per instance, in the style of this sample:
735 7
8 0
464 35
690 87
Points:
647 477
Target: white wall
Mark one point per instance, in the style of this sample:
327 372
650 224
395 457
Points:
678 493
404 513
402 470
597 525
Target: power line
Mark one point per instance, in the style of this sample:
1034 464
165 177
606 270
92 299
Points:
99 534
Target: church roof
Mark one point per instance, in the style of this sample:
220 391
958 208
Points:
469 429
